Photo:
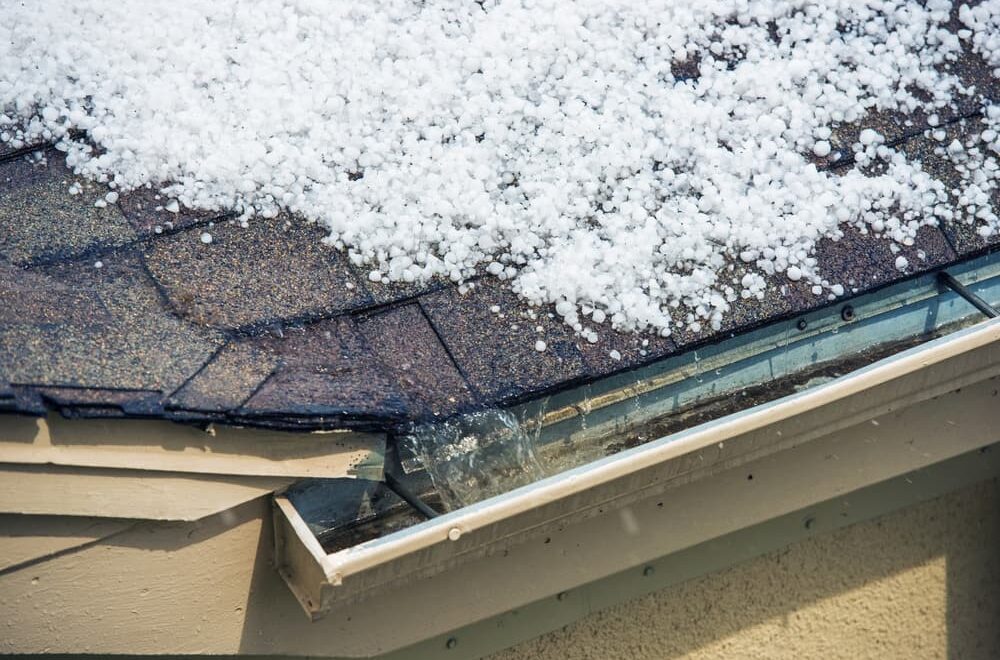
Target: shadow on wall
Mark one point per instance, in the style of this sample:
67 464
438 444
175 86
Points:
973 577
922 582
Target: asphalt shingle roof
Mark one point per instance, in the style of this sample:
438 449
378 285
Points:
267 325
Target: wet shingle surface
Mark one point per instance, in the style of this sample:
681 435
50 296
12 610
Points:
8 150
864 261
326 370
122 309
270 271
782 297
227 380
496 349
404 342
930 150
111 330
97 402
147 212
393 292
41 221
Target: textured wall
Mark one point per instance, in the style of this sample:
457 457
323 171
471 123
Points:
923 582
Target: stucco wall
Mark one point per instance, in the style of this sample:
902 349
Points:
923 582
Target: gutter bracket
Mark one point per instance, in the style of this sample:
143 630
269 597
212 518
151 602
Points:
396 486
945 278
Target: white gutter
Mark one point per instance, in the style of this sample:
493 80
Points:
323 581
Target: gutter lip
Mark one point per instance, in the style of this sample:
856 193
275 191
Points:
575 481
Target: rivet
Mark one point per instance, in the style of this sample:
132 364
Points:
454 533
562 595
451 643
847 313
802 324
649 570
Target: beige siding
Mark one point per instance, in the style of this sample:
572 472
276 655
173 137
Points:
27 539
923 582
140 494
920 583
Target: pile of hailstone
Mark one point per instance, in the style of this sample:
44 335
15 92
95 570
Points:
545 142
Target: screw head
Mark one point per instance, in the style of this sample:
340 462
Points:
802 324
451 643
847 313
562 595
649 570
810 522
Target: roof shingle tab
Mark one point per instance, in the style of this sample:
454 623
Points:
227 380
325 369
270 271
41 221
119 335
267 325
496 351
405 343
144 209
962 234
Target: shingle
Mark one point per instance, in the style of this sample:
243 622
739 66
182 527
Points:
144 209
896 126
338 392
976 74
119 335
324 369
891 125
967 240
407 346
497 352
931 154
30 298
26 401
862 262
782 297
8 150
687 69
858 262
41 220
392 292
71 401
227 380
970 67
616 351
269 271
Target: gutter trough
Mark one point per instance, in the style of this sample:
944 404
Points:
651 462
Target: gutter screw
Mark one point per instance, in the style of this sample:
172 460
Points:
847 313
649 570
451 643
802 324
